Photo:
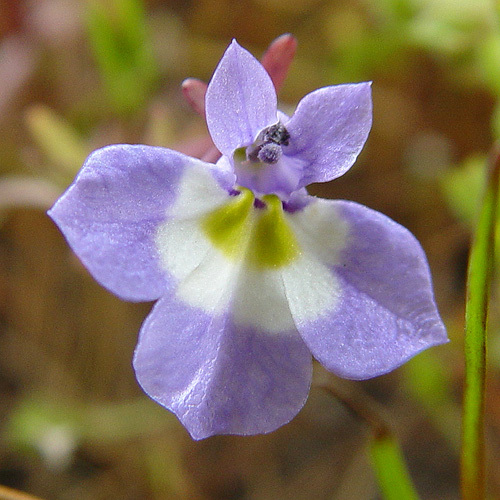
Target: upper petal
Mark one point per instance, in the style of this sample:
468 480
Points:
328 130
219 378
240 100
382 310
111 212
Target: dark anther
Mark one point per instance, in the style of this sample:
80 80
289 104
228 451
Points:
278 134
267 147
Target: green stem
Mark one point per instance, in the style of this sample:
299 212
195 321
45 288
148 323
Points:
390 468
480 272
387 459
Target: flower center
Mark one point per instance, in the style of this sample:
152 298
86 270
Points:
257 232
264 168
267 147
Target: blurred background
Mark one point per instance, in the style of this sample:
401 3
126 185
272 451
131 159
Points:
77 75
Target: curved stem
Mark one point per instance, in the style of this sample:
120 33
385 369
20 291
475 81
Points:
387 459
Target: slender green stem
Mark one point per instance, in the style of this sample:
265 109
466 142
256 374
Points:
392 475
387 459
478 284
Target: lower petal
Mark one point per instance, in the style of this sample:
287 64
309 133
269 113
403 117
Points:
216 377
382 310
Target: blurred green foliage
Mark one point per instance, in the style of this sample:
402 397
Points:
463 187
460 33
118 35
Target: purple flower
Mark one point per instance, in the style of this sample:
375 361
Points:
252 274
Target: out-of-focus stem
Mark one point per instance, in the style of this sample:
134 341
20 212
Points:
10 494
194 91
278 58
388 462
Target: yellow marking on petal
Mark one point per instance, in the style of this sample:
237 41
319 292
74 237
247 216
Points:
273 243
227 227
262 236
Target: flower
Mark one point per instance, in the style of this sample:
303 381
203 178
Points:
252 274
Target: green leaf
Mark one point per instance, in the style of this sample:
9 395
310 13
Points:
479 278
118 37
